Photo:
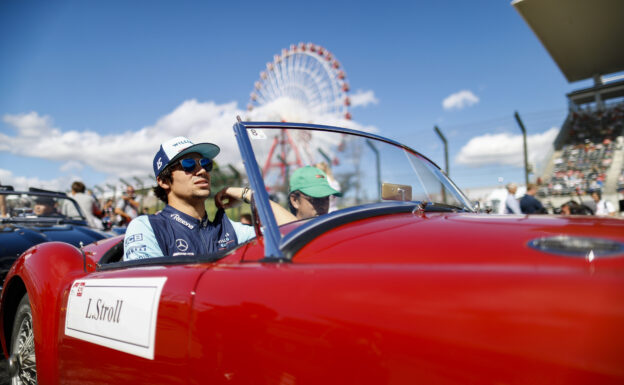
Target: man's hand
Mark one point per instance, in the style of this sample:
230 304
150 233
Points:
228 197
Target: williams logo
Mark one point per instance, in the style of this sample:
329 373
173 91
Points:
181 244
159 163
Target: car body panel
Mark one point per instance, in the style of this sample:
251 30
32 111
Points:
384 293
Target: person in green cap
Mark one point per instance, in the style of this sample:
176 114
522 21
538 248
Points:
309 193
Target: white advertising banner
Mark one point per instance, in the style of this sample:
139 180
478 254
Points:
119 313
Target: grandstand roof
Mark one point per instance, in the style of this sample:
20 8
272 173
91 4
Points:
584 37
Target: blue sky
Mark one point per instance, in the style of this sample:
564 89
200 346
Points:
87 88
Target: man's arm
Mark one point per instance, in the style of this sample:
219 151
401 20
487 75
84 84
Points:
123 214
132 202
233 196
140 241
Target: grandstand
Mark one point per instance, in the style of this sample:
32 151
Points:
584 38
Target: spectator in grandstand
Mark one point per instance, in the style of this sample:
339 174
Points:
511 203
529 204
603 207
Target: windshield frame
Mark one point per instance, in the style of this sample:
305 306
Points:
274 243
34 219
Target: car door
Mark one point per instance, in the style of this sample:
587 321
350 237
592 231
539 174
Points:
127 326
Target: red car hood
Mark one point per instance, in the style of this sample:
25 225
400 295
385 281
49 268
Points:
460 238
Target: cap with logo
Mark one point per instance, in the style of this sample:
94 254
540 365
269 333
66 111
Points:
175 148
312 182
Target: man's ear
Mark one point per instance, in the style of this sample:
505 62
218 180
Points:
294 201
163 184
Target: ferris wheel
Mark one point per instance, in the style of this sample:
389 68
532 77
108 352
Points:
308 76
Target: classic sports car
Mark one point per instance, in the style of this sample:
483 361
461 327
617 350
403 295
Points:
28 218
401 282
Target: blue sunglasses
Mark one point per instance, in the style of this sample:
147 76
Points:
190 164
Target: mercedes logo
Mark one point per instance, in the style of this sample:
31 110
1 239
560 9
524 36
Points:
181 244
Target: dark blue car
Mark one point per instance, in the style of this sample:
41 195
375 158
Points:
28 218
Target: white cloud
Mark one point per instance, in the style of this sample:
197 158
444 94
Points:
72 165
506 149
459 100
22 183
31 125
363 98
292 110
131 153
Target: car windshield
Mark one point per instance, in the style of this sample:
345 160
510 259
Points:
39 207
364 169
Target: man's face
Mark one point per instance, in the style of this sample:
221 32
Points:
308 207
188 186
42 209
130 191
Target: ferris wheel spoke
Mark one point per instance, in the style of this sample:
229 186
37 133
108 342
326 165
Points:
309 76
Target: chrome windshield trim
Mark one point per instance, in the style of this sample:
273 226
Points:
270 230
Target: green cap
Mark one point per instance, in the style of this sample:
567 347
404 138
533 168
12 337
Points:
312 182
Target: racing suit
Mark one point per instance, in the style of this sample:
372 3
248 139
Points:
173 233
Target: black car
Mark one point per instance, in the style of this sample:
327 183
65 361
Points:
28 218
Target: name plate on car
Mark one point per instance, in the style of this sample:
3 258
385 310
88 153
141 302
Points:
119 313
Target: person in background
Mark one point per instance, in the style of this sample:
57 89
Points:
109 216
309 193
565 209
245 219
603 207
3 209
127 206
87 203
511 203
529 204
333 183
44 207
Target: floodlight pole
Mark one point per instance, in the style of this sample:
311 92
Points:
377 165
446 162
524 142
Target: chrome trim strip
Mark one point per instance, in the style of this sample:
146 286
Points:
271 234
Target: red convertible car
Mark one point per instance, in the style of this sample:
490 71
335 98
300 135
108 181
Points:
401 282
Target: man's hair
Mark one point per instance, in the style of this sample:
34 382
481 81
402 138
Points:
165 176
597 192
78 187
531 186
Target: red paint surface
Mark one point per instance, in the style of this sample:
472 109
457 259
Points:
402 299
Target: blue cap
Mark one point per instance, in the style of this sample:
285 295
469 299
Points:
175 148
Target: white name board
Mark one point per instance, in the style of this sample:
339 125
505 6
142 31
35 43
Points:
119 313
